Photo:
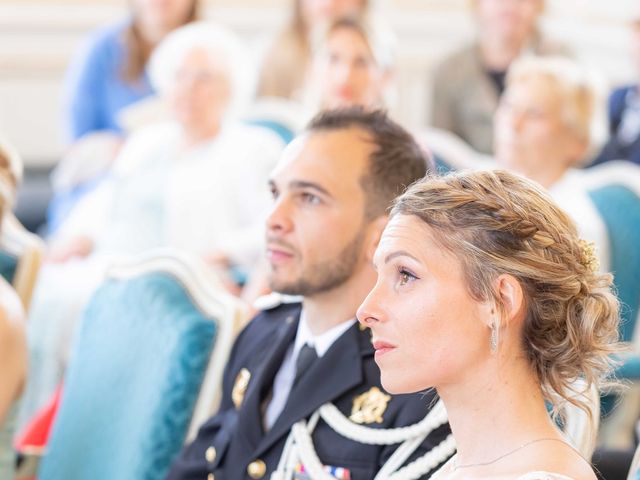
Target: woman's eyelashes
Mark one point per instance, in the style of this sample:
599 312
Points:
405 276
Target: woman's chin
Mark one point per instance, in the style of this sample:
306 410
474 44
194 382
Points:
396 386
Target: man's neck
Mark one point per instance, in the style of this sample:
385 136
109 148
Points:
325 310
498 53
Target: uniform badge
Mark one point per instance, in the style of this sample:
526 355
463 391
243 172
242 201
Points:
240 387
370 406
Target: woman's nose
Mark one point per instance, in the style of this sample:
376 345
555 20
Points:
369 312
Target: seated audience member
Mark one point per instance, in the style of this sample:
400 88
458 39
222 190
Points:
486 293
468 84
548 120
108 75
197 183
624 112
285 65
13 347
352 65
293 358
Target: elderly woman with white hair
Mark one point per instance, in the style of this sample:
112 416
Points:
549 121
13 347
197 182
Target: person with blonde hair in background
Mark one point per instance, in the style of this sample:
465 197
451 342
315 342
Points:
549 122
285 65
486 293
13 345
469 82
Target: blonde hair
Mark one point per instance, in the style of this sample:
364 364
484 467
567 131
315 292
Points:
10 177
496 222
583 104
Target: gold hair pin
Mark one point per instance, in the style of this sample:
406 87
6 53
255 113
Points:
589 258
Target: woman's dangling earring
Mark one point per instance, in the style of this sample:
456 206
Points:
493 341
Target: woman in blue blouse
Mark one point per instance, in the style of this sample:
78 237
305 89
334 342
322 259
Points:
109 73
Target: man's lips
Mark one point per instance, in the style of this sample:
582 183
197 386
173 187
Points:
382 347
277 254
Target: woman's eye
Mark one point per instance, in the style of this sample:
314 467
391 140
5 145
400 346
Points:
406 277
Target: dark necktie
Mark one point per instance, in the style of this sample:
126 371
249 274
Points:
306 357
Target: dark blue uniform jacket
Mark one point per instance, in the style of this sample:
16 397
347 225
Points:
347 370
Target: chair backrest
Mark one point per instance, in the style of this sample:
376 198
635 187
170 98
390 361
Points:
153 333
20 258
451 152
614 188
283 117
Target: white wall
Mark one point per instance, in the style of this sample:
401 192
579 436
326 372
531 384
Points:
37 39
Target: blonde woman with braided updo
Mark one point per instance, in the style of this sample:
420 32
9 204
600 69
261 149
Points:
486 292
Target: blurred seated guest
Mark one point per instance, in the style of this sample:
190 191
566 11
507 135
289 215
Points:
352 65
468 84
285 65
624 112
549 119
198 182
13 346
486 293
108 75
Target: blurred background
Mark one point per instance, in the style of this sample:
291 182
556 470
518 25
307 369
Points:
39 38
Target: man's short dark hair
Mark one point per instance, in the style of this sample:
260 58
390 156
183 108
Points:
396 162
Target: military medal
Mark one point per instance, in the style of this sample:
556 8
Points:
240 387
370 406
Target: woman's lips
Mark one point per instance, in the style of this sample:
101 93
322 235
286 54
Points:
382 347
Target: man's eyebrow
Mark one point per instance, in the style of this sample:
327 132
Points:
312 185
399 253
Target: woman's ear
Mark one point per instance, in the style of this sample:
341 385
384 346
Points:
511 296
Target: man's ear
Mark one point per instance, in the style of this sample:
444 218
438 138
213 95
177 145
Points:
374 232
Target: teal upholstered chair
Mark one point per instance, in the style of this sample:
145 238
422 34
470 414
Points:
283 117
451 152
20 258
614 188
145 370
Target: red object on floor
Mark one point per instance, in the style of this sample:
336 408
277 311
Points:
33 439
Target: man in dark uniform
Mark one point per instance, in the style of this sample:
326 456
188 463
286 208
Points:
332 190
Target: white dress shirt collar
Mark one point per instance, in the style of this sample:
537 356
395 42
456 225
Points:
322 343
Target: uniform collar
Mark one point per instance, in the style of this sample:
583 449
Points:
323 342
337 372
